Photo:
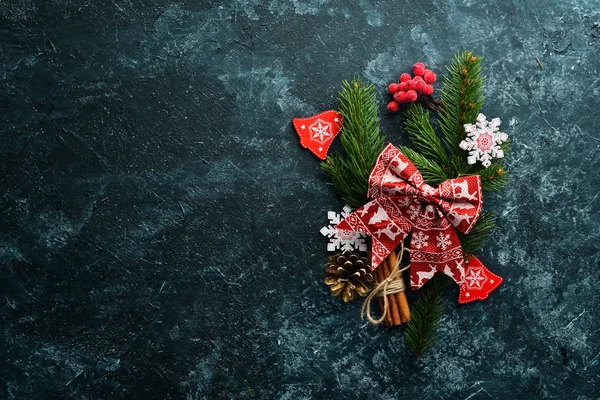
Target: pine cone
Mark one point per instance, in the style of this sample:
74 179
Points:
348 274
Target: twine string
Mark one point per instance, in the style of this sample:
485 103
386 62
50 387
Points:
388 286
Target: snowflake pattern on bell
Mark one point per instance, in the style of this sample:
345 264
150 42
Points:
340 239
483 141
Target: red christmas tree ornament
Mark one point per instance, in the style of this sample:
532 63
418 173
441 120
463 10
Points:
477 282
317 132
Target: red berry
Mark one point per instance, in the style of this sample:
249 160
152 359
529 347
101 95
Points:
417 78
411 96
419 69
419 86
404 77
393 88
400 97
402 86
392 106
410 85
429 77
428 90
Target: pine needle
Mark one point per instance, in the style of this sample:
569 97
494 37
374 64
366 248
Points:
494 177
248 388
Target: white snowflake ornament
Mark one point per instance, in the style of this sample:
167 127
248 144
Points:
341 239
483 141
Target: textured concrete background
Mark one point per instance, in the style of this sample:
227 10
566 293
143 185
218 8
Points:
159 233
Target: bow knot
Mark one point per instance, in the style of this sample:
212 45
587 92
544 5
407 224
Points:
403 203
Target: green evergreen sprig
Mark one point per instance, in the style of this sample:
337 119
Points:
432 172
462 98
426 312
362 142
441 159
422 135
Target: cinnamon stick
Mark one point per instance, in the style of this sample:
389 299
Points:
401 300
380 278
393 308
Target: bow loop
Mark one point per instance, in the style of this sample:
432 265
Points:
394 175
459 199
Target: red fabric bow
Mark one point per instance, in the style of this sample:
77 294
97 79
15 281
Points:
403 203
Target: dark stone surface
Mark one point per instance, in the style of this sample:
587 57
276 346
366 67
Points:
159 234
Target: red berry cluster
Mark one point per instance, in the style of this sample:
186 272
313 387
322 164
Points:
406 91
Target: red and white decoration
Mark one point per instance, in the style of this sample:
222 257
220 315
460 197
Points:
340 239
478 282
404 203
317 132
483 140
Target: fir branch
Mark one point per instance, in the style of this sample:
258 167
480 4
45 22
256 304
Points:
362 142
421 331
439 160
462 98
422 135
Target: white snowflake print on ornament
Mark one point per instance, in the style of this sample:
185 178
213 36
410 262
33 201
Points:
476 278
483 141
320 130
340 239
